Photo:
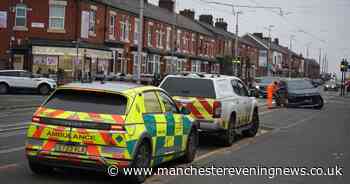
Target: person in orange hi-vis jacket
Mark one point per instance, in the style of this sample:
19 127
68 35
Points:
271 89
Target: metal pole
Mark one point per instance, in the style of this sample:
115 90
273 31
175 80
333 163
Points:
290 56
140 43
236 45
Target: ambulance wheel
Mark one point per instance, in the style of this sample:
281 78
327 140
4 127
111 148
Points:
142 160
230 134
40 169
191 148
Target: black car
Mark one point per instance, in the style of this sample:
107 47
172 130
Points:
300 93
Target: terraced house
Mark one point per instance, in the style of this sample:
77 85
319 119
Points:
101 36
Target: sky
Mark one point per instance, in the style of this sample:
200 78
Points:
315 24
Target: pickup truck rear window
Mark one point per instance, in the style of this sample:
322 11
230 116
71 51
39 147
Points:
189 87
87 101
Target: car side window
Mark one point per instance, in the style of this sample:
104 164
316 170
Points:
25 74
235 87
152 104
243 89
239 88
169 104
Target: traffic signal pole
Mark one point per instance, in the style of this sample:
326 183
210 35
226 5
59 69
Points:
344 67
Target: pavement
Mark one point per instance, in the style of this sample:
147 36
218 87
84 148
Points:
288 137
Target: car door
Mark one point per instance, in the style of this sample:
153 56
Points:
245 101
175 127
155 124
27 81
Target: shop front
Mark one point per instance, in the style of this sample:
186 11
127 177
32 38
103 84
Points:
70 63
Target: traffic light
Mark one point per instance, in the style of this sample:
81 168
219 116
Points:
344 66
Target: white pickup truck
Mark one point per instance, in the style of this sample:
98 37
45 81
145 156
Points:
20 79
220 104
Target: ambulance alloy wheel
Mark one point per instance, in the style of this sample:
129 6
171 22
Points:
39 169
230 134
191 147
255 125
142 160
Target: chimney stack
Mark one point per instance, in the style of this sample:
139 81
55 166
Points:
188 13
221 24
277 41
167 4
206 19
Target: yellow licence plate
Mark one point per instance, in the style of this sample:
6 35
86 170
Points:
70 149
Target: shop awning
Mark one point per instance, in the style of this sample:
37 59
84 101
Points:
68 51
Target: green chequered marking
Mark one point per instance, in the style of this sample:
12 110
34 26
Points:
150 123
178 141
170 124
186 125
131 146
160 143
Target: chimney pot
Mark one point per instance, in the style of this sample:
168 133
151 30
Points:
206 19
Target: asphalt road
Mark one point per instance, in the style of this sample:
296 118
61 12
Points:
297 137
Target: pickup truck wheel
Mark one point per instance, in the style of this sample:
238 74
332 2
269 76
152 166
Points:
3 88
191 147
230 134
255 126
44 89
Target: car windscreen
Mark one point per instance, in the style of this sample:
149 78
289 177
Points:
299 85
87 101
189 87
266 80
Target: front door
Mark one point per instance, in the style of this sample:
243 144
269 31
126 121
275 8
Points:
155 123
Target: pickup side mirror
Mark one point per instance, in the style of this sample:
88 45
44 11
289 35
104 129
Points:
185 111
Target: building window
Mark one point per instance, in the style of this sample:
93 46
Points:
57 16
21 16
137 31
124 29
112 26
168 38
149 35
178 40
196 66
92 22
159 39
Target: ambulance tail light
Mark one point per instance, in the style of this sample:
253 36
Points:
36 119
117 128
217 109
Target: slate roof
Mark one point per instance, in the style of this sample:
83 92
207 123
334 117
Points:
154 12
216 30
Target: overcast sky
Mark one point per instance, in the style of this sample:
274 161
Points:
311 21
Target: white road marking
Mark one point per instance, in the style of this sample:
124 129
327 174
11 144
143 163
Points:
12 150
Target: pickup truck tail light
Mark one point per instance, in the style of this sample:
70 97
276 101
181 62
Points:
217 109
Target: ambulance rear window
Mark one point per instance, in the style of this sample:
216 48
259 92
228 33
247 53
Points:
189 87
87 101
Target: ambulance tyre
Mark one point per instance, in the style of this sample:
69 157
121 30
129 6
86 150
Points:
142 160
191 147
229 135
40 169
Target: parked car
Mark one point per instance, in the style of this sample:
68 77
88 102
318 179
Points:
347 86
96 125
221 104
331 86
20 79
261 85
301 93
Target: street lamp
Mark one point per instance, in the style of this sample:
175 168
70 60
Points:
292 37
140 43
236 64
269 28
